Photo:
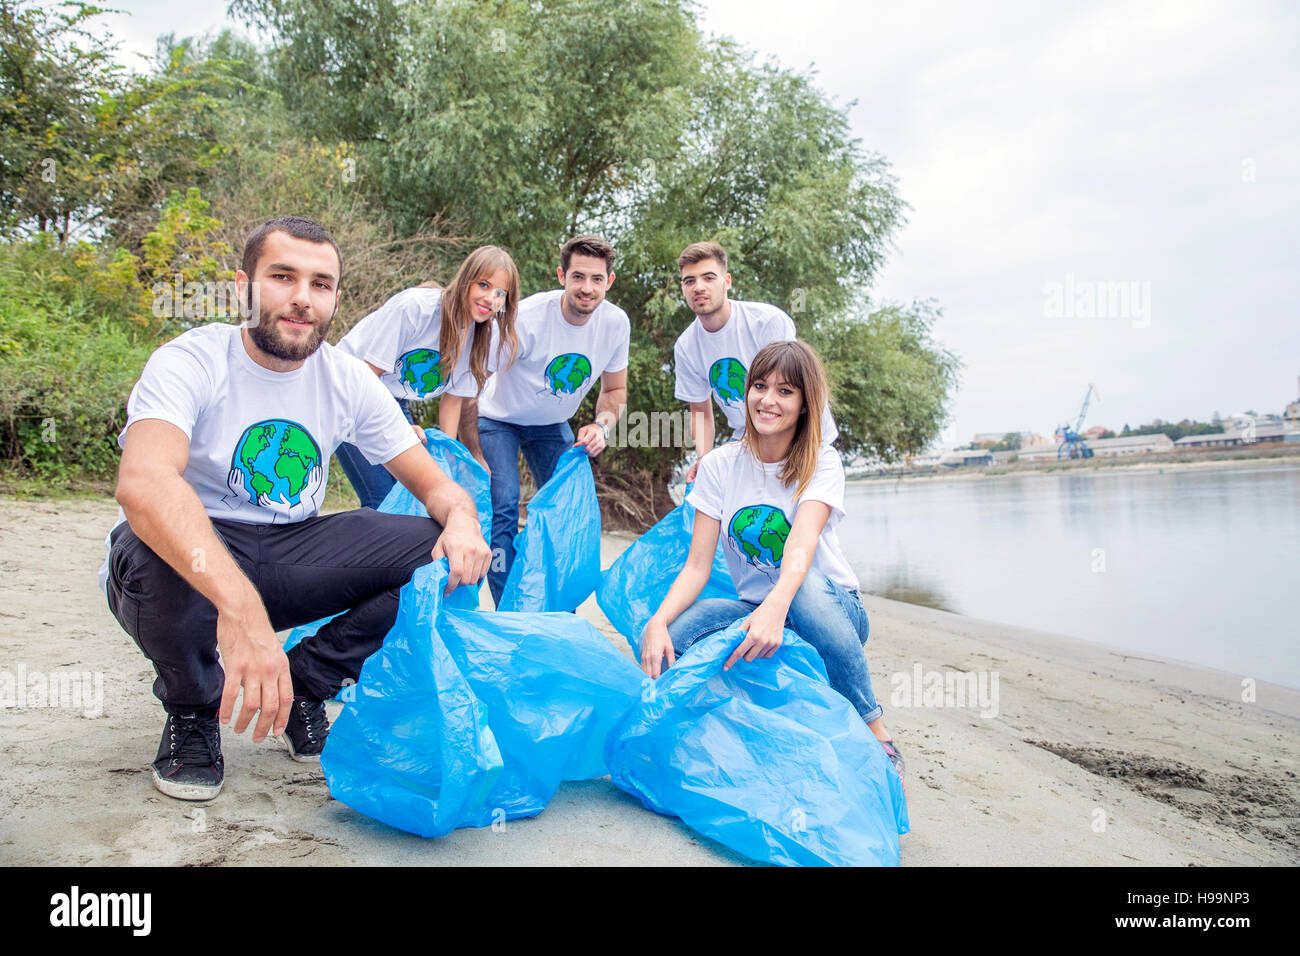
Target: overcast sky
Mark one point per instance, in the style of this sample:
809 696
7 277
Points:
1055 157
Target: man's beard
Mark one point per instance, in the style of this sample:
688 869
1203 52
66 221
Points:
582 308
265 334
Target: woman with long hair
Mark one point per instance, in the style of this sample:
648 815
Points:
427 342
787 573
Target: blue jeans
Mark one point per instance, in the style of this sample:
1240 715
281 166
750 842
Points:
542 446
828 616
372 483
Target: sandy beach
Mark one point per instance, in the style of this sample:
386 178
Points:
1083 756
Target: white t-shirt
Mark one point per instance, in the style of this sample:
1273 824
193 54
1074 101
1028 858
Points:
716 363
756 512
402 337
557 362
260 441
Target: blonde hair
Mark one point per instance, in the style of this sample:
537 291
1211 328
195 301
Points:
798 365
457 319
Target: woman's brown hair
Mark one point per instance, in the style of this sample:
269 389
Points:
798 365
457 318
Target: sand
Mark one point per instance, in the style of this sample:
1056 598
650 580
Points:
1089 757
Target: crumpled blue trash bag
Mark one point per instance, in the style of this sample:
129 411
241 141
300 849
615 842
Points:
468 718
413 747
557 555
764 758
454 459
637 583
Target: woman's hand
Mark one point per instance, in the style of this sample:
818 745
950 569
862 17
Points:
764 631
655 646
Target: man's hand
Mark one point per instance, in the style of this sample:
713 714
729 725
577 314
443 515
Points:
461 542
764 631
468 555
419 434
593 437
655 646
690 474
253 659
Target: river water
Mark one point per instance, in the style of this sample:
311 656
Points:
1193 564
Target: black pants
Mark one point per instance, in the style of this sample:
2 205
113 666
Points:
355 561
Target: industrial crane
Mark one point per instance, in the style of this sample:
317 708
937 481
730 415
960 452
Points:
1071 445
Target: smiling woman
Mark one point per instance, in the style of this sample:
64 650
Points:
779 493
427 343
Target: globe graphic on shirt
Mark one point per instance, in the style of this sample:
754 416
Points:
727 377
276 461
566 373
758 532
419 370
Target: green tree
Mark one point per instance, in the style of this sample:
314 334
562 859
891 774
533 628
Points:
56 77
86 147
522 123
889 380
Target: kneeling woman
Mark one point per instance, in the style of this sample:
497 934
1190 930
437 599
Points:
787 573
428 342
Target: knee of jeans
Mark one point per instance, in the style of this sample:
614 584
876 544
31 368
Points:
701 619
504 491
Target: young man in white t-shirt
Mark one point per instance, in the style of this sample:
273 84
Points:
225 458
712 355
566 337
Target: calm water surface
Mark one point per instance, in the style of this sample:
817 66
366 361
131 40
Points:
1195 565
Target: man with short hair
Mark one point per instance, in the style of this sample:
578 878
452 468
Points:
712 355
225 459
566 337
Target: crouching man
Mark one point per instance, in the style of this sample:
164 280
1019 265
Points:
225 459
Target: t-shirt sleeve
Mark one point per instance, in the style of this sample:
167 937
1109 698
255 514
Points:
706 495
827 483
380 431
780 327
174 387
618 360
379 337
692 384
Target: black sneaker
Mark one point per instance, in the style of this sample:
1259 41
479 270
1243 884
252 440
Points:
306 730
189 765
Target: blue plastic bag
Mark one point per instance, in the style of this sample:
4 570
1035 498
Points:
557 555
553 688
764 758
466 718
637 583
413 748
454 459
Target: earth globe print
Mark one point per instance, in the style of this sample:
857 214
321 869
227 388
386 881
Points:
759 533
727 376
278 460
566 373
419 370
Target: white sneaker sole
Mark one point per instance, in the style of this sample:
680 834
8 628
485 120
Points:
186 791
301 758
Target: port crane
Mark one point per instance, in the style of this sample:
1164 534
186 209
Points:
1070 443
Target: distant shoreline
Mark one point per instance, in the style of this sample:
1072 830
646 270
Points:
1128 465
